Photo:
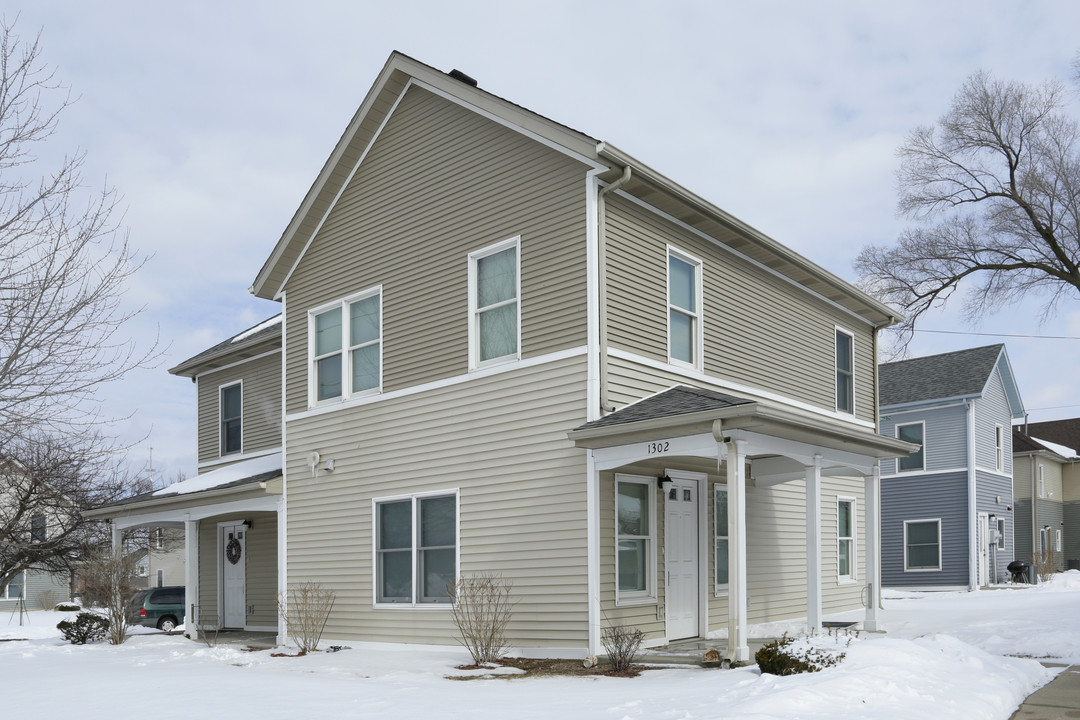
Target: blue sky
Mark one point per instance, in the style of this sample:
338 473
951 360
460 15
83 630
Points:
212 120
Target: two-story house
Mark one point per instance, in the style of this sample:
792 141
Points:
1046 485
947 509
507 346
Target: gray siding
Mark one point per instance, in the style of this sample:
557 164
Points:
992 409
261 426
988 488
1071 517
906 497
1052 513
439 183
1022 530
43 590
944 435
759 331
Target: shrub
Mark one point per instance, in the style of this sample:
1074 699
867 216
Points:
86 627
67 607
480 606
622 643
107 576
305 610
780 658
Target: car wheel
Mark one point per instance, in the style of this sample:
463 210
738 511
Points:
167 623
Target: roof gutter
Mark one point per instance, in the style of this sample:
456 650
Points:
108 511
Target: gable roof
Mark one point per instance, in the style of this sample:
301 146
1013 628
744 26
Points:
1028 444
256 340
400 72
948 376
1062 432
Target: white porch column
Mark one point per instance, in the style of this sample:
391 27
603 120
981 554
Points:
282 570
592 543
813 545
872 543
191 576
117 539
738 648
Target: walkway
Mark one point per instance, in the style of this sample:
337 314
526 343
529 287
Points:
1059 699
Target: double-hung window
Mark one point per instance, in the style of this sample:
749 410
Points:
912 433
14 587
721 531
999 448
38 526
1042 480
635 537
494 304
684 309
231 411
845 538
346 347
845 371
415 549
922 545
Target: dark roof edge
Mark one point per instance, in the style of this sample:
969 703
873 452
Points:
188 368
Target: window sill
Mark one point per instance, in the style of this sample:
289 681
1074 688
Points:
632 601
922 570
411 606
847 581
496 362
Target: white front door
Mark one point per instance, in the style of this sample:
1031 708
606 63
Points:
233 575
681 558
983 539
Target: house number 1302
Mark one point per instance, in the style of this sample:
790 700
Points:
659 447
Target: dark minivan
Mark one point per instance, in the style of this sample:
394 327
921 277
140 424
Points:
161 607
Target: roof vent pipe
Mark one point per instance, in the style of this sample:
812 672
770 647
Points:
462 77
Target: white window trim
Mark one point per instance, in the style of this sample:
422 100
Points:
719 589
414 497
1001 533
922 569
853 558
22 588
896 433
698 351
999 448
648 596
1057 540
346 354
836 372
221 420
474 326
1042 480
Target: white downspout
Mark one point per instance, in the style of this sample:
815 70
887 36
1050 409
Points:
973 544
601 210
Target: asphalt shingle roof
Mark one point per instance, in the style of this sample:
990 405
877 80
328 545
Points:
1062 432
153 494
678 400
1023 443
954 374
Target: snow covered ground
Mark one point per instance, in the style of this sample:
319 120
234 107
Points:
943 657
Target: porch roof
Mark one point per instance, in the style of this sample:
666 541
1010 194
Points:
684 410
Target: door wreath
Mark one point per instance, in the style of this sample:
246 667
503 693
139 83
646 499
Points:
232 551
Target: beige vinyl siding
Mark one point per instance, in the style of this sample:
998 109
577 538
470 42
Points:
500 442
759 330
441 182
1070 480
209 573
1022 477
261 427
261 569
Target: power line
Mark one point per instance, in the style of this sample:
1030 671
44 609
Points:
989 334
1053 407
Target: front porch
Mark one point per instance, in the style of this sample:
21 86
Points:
714 512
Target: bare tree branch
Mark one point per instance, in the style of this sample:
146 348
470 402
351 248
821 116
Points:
994 190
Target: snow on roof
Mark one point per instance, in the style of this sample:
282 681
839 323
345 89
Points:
1065 452
261 326
224 476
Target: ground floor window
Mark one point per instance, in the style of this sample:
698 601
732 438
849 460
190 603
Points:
415 549
635 537
922 545
845 538
721 531
14 587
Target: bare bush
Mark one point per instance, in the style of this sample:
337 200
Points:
481 608
622 643
1045 563
107 576
305 610
48 599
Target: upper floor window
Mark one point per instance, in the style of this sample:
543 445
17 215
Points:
494 304
999 448
1042 480
684 309
845 371
38 526
231 405
912 433
346 347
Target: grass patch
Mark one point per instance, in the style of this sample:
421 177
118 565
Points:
535 667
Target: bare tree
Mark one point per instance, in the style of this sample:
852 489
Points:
994 190
64 263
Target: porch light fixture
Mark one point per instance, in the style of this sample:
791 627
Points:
247 524
664 483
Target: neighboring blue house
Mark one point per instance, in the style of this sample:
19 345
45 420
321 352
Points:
947 510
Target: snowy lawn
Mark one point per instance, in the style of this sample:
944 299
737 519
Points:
942 658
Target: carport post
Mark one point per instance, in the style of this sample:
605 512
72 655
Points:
738 647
